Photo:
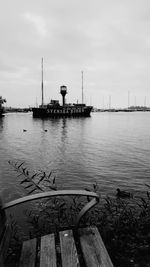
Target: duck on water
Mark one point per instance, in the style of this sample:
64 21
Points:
123 194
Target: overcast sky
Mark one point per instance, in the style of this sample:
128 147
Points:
108 39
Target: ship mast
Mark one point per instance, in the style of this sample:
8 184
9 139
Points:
42 83
82 87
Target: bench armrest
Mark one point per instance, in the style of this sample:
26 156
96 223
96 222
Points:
88 206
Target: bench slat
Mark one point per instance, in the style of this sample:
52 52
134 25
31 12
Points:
48 254
68 249
94 251
28 254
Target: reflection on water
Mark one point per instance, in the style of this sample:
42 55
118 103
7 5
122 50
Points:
112 149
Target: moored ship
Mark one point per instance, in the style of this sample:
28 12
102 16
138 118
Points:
54 109
2 101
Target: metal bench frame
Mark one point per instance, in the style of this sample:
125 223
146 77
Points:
49 194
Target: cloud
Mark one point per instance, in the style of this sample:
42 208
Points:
108 40
38 22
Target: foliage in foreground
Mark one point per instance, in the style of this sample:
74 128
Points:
125 229
123 223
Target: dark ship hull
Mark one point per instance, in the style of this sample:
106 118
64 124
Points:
62 111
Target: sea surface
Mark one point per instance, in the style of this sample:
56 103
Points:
110 149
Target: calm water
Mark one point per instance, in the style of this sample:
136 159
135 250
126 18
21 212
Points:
112 149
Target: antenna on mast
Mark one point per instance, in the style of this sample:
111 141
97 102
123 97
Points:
82 87
109 101
128 99
42 83
145 101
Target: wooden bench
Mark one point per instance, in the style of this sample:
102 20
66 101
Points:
70 248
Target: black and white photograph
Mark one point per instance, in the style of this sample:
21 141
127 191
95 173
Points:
75 133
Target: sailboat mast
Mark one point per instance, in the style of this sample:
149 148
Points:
82 87
42 83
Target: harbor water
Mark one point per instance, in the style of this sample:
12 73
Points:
110 149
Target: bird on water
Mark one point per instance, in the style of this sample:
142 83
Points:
124 194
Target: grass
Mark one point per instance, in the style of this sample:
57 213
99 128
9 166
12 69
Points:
124 224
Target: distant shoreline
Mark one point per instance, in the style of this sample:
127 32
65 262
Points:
143 109
132 109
